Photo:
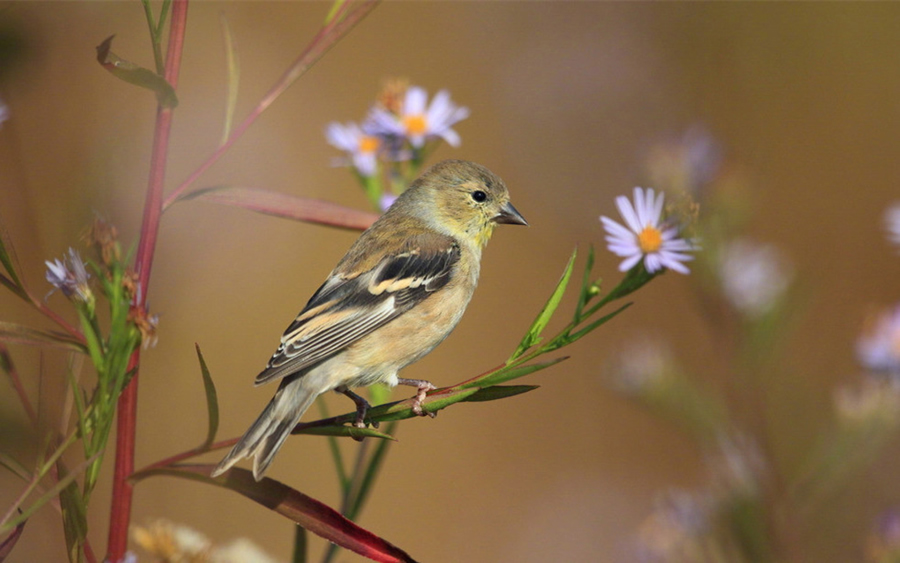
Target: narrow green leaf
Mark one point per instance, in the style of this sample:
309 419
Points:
6 258
533 336
368 479
587 285
432 403
137 75
12 286
399 410
14 467
74 514
335 450
18 334
7 545
345 431
286 206
594 325
304 510
509 373
212 401
495 392
335 8
300 545
234 76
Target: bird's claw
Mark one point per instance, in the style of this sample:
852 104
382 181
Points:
423 388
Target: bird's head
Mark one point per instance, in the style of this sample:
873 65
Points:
466 200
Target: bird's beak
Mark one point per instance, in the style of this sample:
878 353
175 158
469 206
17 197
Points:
509 215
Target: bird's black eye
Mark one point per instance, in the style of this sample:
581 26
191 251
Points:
479 196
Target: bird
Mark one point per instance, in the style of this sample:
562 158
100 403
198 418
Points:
399 291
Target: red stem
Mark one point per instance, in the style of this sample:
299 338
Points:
120 510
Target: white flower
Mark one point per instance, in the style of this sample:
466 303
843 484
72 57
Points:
753 275
360 146
878 349
419 121
641 366
892 222
646 236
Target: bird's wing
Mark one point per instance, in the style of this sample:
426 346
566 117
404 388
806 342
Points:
348 307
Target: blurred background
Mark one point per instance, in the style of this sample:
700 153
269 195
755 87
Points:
569 104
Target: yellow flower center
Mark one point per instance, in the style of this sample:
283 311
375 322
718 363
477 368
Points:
368 144
650 239
415 124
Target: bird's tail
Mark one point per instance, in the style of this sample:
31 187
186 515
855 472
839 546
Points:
272 428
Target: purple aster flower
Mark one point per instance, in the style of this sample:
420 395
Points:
878 349
418 120
70 276
361 147
646 237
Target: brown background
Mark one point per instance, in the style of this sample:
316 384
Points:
565 99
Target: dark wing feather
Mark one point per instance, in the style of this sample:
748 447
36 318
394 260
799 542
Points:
345 310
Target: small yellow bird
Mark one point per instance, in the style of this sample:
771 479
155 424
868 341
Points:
396 294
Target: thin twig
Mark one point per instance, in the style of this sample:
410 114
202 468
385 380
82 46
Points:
330 34
10 369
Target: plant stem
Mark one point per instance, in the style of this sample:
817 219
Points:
337 27
10 369
120 510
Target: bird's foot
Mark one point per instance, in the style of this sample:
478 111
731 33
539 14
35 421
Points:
362 408
423 388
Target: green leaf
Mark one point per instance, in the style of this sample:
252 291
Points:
300 545
368 478
304 510
345 431
596 324
286 206
137 75
495 392
509 373
212 402
335 8
74 514
6 258
14 467
435 401
234 76
18 334
587 286
12 286
533 336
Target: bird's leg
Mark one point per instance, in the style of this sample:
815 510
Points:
362 407
423 388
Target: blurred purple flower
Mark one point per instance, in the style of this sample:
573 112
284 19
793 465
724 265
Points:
418 120
646 236
361 147
687 163
878 349
387 200
753 275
